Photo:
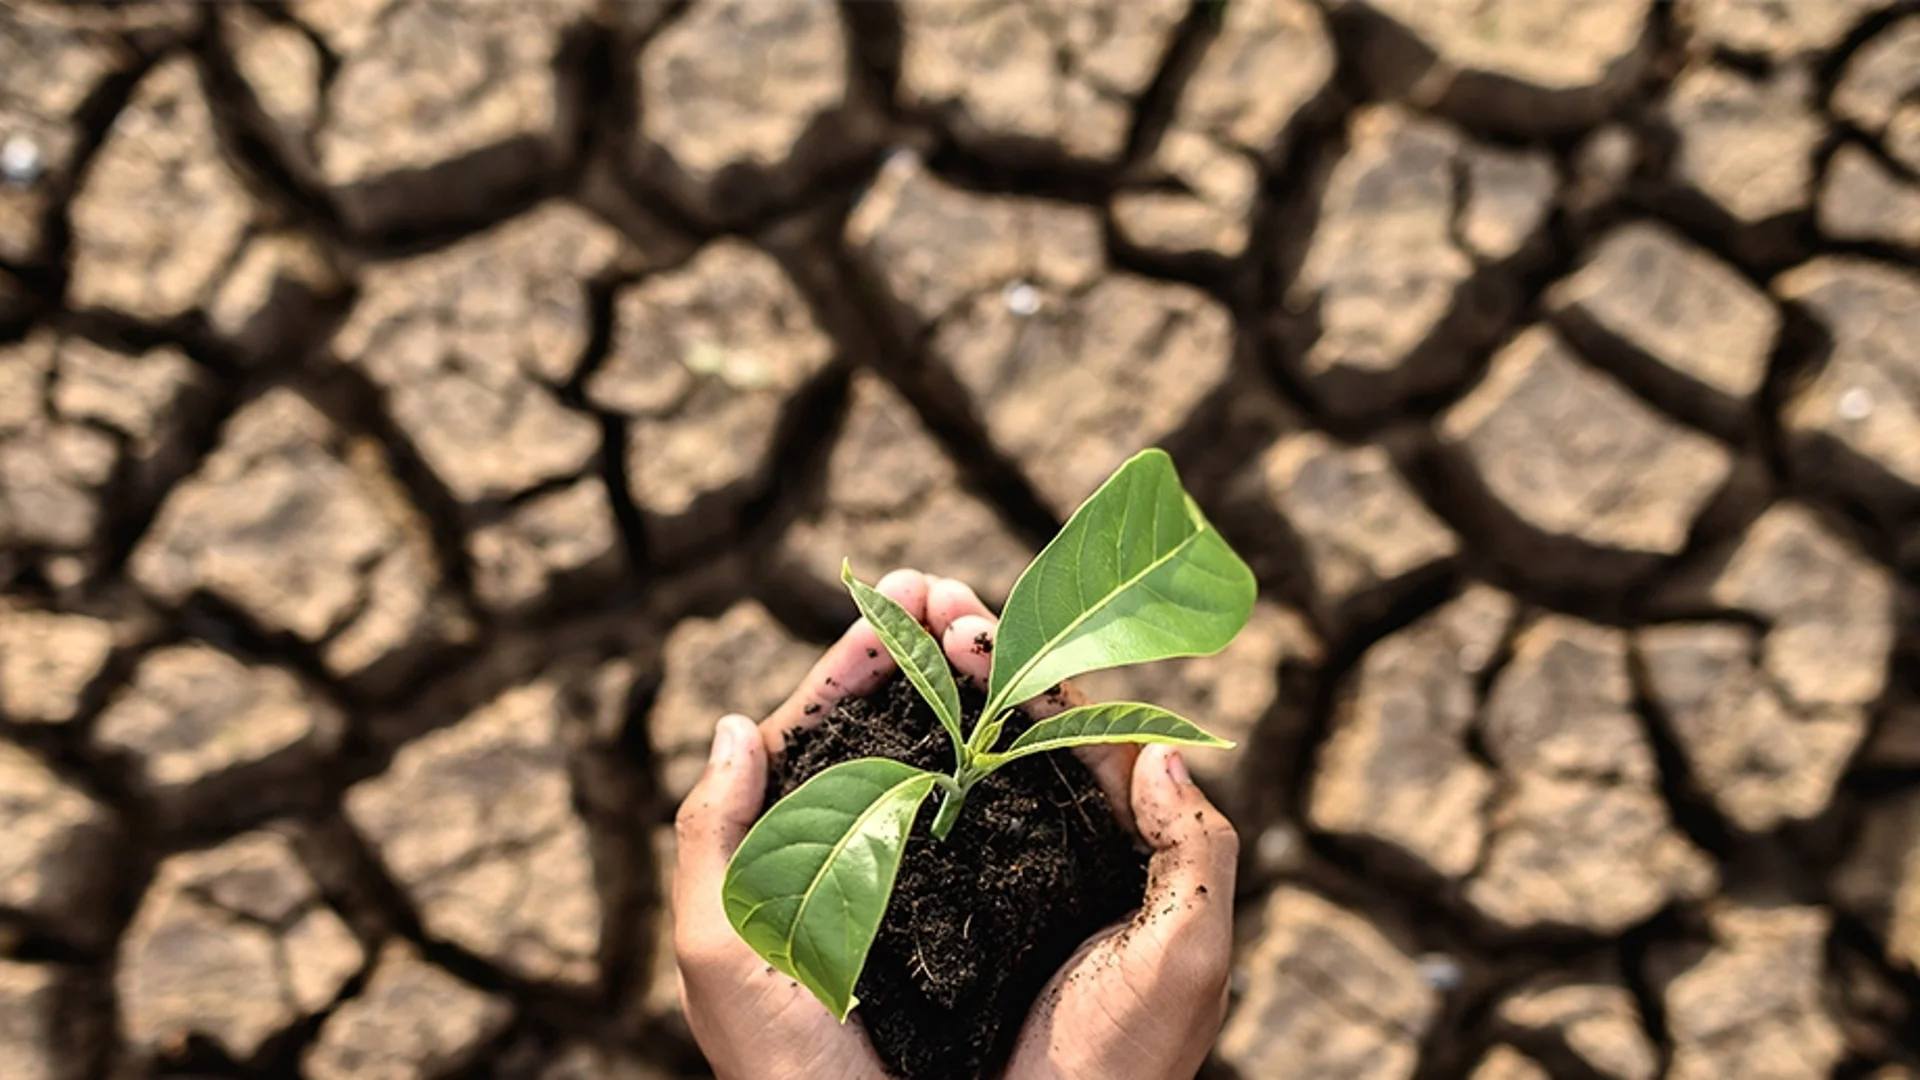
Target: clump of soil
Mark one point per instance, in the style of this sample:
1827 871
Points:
978 924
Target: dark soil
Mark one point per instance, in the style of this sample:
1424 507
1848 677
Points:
977 925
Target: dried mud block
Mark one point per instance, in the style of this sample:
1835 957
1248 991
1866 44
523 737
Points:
57 865
282 68
470 343
742 662
1863 201
1879 92
1327 995
1069 366
1260 78
585 1061
1762 757
1880 879
1505 1063
1828 607
213 740
476 823
441 111
746 103
51 76
1752 1007
1576 479
1855 425
1580 838
1581 1026
555 543
1563 706
933 247
1365 537
160 214
413 1021
49 663
1521 66
1056 81
1673 319
1743 152
705 360
1229 693
1772 30
1412 260
88 438
233 944
302 529
39 1039
279 288
893 498
1396 772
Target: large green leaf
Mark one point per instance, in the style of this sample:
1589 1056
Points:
920 657
1137 574
1111 722
810 883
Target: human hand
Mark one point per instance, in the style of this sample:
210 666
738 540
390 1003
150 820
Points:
1144 1000
750 1020
1140 1001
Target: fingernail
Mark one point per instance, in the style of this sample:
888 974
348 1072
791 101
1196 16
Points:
726 741
1177 768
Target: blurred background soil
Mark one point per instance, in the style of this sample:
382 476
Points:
419 420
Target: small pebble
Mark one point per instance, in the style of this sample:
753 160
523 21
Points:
1856 404
1440 971
1022 299
20 160
1278 850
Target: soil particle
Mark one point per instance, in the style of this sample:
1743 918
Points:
977 925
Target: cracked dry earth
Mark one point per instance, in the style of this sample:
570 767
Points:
419 420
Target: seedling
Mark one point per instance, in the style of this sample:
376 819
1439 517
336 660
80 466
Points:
1137 574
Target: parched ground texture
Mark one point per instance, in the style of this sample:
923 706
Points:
420 419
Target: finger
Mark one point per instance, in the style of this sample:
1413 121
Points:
968 641
1191 876
713 819
855 665
948 600
969 645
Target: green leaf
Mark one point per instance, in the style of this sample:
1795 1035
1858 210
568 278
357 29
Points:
1137 574
1111 722
920 657
810 883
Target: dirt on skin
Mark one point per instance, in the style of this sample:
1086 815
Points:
978 924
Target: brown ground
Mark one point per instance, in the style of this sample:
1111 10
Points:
419 420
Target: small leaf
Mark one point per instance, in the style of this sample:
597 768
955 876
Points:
810 883
920 657
1110 722
1137 574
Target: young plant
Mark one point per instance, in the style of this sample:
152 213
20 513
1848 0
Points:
1137 574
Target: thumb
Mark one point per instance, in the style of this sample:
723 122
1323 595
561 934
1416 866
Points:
713 819
1187 917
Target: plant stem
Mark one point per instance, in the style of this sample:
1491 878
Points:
948 815
953 796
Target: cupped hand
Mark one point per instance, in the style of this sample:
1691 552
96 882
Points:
1143 1000
751 1021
